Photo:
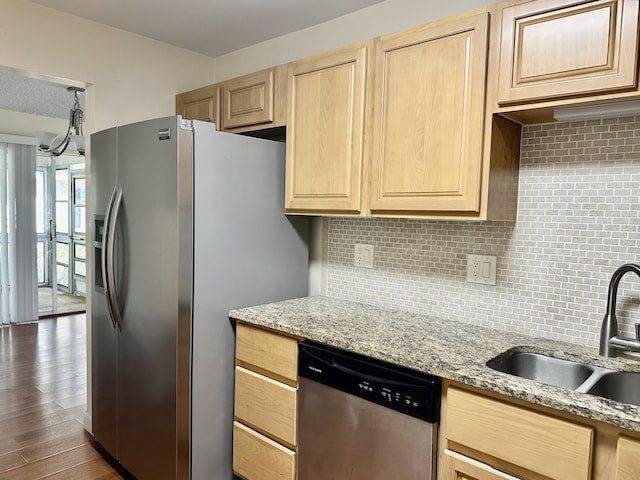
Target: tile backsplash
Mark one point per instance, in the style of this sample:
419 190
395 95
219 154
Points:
578 220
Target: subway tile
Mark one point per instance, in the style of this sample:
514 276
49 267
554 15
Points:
578 220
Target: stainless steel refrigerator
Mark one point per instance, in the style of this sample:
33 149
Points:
188 223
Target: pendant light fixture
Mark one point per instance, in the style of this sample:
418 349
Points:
51 143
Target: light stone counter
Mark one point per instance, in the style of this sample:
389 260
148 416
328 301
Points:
448 349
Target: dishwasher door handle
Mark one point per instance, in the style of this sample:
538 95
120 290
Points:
356 373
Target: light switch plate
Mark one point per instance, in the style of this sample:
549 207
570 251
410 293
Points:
363 255
482 269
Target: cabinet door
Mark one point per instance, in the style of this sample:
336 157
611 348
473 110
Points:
429 107
555 48
248 100
199 104
628 459
325 132
459 467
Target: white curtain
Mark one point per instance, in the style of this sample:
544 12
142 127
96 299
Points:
18 278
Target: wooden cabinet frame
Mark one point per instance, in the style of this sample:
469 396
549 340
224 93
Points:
458 467
542 58
614 453
326 124
199 104
265 404
254 101
428 153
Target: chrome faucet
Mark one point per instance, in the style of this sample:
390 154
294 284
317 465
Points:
610 341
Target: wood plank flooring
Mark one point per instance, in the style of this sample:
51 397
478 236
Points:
43 381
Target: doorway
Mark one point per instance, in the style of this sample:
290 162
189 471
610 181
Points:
61 234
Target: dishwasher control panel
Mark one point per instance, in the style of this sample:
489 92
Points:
401 389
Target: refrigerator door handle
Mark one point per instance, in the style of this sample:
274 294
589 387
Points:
103 254
108 256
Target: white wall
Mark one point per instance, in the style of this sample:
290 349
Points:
130 77
379 19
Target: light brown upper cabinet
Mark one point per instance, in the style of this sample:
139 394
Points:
552 49
253 101
429 104
198 104
325 132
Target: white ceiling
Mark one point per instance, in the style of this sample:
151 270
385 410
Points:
211 27
36 96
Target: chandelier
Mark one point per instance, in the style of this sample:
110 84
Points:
55 145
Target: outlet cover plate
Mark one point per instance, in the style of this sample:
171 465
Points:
363 255
482 269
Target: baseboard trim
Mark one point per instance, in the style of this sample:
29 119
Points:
87 422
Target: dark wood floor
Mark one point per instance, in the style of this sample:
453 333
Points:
43 381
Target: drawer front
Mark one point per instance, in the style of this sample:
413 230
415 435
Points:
255 457
266 404
546 445
459 467
272 354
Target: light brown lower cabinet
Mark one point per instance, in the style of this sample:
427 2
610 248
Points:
265 404
458 467
543 444
258 457
627 459
485 435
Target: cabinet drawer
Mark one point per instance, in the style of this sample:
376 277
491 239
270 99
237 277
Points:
255 457
546 445
270 353
459 467
266 404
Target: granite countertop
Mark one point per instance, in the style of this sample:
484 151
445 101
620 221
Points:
452 350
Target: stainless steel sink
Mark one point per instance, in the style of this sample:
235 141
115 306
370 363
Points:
622 387
542 368
619 386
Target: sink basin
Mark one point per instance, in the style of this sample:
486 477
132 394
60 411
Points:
619 386
542 368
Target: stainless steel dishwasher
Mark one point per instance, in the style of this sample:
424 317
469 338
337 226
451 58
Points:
364 419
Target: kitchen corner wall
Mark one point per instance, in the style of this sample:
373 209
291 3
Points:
578 220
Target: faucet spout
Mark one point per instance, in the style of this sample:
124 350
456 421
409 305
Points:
609 338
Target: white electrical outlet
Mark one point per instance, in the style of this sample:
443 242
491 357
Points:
482 269
363 255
